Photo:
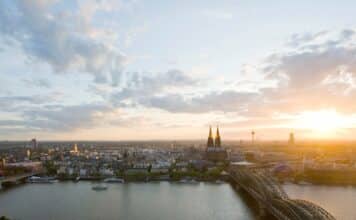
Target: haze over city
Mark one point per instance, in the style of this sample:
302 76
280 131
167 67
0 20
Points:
133 70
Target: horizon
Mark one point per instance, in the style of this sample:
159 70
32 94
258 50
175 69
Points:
246 140
131 70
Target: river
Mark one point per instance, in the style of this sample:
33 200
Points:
338 200
156 200
129 201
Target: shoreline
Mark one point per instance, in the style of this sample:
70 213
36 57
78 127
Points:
100 179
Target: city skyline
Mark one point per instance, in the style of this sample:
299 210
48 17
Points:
131 70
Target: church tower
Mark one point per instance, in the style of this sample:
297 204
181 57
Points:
210 139
217 138
215 152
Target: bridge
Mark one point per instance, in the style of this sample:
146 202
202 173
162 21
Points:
13 180
273 199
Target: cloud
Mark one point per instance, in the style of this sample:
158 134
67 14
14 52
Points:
319 72
316 71
300 39
315 77
11 123
132 33
68 118
58 118
28 99
217 14
65 40
37 114
226 101
259 122
348 34
40 83
129 121
65 118
16 103
141 87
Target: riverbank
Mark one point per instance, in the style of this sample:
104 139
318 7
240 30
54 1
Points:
188 177
208 176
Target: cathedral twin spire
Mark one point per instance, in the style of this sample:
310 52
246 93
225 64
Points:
211 138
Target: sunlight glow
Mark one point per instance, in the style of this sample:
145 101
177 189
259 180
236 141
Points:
323 122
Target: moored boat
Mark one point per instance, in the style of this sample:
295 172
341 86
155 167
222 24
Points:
189 181
114 180
38 179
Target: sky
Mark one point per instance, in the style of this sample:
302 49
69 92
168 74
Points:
143 70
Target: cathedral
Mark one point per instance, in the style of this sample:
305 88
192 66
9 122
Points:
214 151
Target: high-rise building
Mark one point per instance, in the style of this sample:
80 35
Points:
34 143
291 138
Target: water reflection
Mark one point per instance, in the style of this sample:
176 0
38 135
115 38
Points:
132 201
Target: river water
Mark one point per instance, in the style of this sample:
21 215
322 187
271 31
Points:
156 200
338 200
130 201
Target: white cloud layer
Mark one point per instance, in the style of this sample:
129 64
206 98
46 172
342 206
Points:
63 39
314 71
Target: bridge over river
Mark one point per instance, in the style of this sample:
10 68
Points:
272 199
13 180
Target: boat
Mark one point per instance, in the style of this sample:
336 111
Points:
114 180
99 187
189 181
38 179
183 181
193 181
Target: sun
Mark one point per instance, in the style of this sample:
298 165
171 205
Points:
322 122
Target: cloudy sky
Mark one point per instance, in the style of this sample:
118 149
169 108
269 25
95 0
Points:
135 69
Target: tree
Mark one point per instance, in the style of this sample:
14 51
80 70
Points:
50 167
149 168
